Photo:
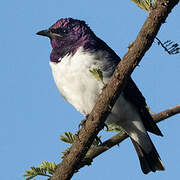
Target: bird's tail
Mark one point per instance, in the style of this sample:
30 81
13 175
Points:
148 161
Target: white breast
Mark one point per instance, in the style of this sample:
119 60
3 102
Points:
75 82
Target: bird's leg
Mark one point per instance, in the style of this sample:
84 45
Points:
83 122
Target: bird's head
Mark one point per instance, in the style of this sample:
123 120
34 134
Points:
66 36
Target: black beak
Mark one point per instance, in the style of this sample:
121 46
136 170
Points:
46 33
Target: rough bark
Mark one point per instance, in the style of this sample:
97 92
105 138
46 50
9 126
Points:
95 121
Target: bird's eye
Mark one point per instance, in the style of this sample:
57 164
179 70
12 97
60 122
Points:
59 31
54 30
65 31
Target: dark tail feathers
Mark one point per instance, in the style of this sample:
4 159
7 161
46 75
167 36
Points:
149 161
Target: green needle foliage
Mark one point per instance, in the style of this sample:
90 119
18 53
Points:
97 73
45 169
144 4
69 138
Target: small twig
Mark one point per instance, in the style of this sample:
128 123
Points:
173 49
166 114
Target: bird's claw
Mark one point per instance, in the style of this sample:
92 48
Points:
83 122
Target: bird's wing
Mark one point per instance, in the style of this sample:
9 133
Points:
132 93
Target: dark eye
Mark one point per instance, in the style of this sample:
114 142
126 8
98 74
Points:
59 31
54 30
64 31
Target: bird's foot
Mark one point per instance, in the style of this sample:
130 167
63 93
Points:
83 122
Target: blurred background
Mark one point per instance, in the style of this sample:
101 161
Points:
34 115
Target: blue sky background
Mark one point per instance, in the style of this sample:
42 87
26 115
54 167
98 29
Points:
34 115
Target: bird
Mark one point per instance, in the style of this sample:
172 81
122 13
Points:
76 53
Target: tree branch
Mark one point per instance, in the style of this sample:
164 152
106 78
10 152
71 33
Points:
166 114
118 138
95 121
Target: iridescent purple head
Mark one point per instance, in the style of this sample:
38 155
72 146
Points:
66 36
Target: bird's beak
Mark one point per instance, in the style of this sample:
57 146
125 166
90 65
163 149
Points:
46 33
